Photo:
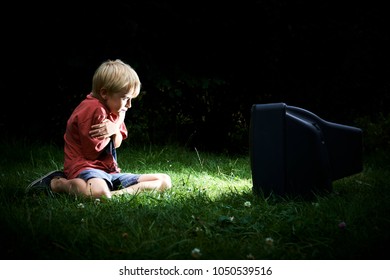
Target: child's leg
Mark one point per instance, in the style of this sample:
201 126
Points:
94 187
158 181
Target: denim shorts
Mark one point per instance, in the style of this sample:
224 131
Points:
114 181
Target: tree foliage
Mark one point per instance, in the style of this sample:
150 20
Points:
202 64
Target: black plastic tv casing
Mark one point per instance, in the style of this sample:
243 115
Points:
295 152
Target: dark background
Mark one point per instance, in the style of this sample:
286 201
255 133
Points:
202 64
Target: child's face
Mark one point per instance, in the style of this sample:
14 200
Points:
119 102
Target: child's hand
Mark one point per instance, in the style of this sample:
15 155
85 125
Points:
122 115
103 130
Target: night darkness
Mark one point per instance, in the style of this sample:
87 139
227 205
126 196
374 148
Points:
206 61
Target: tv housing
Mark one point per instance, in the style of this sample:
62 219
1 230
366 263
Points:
295 152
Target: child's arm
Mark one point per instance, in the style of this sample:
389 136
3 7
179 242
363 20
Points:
108 129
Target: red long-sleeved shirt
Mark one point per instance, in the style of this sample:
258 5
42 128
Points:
81 150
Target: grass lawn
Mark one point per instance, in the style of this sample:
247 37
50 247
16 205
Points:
210 212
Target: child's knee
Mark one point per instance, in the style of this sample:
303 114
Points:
98 188
103 192
166 181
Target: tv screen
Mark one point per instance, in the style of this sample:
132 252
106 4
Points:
295 152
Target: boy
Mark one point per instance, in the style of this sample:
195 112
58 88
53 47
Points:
93 132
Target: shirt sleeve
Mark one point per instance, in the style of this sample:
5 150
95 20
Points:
92 147
123 130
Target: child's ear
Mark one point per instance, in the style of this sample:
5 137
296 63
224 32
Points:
103 93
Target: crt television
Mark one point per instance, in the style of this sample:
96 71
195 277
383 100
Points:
295 152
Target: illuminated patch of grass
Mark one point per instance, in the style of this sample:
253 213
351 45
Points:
210 213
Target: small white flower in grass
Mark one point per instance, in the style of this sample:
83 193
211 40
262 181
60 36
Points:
269 241
82 220
80 206
247 204
196 253
97 201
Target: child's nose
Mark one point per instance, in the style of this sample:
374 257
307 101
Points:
128 104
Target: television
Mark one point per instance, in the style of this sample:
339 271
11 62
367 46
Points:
293 152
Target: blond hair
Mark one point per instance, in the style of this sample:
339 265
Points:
115 76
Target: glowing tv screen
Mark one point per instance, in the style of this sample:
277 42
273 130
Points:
295 152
